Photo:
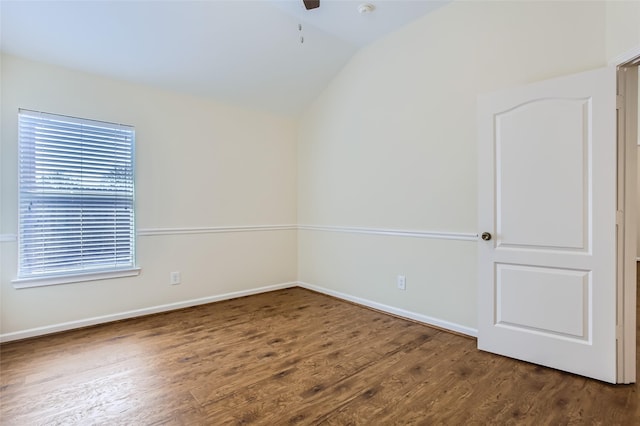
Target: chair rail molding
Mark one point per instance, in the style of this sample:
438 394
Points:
461 236
149 232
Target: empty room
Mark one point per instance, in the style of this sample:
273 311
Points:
319 212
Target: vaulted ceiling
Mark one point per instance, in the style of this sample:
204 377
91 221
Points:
265 54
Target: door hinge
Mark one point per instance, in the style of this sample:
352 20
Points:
619 217
619 101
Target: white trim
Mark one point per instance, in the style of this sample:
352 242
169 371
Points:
149 232
56 328
627 87
394 311
39 331
8 238
463 236
74 278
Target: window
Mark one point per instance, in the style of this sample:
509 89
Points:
76 203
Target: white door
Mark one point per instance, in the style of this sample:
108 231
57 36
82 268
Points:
547 196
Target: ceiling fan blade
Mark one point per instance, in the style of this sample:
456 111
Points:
311 4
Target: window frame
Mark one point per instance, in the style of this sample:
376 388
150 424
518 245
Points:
83 272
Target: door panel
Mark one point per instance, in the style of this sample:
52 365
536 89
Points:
547 191
562 294
530 210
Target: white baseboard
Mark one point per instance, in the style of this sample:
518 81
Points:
55 328
394 311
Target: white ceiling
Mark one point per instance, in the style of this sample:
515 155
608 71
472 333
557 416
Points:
244 52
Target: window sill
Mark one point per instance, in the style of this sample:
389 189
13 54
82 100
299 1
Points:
75 278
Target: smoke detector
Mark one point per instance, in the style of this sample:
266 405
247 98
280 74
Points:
365 8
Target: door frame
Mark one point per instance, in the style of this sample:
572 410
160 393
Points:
627 107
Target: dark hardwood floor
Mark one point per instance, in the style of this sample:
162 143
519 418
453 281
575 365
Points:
288 357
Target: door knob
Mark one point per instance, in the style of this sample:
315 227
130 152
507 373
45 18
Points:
486 236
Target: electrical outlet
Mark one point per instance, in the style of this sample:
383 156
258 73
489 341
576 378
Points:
402 282
174 278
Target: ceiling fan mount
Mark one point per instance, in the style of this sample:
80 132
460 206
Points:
311 4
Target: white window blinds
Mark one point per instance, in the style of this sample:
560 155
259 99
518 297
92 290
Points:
76 192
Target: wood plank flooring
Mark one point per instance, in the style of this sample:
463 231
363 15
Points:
288 357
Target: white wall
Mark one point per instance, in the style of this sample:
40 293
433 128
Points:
623 28
391 144
199 165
